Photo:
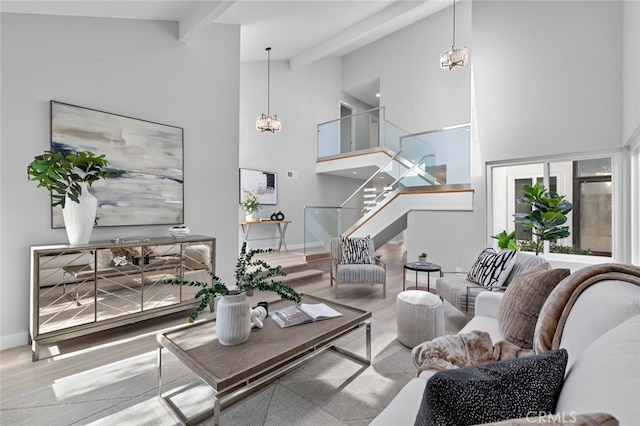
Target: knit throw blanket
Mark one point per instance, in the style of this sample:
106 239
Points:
556 308
454 351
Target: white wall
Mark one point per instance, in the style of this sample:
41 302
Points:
129 67
531 97
301 98
630 72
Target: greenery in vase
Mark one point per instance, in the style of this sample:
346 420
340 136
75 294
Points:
251 203
62 175
250 274
548 214
423 255
507 241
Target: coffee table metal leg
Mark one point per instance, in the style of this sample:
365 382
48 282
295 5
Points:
357 357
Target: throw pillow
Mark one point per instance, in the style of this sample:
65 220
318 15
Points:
493 392
357 250
491 269
522 301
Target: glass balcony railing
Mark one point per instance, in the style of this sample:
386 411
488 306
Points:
358 132
423 160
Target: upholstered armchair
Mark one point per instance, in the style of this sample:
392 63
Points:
461 292
356 264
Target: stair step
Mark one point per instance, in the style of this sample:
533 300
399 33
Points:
306 274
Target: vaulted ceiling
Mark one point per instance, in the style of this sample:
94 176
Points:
301 31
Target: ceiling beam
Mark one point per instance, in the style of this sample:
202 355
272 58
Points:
398 15
200 17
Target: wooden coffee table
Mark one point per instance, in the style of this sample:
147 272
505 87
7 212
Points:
233 371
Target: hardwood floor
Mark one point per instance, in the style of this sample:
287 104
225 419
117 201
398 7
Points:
18 374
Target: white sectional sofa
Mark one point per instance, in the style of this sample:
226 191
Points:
602 337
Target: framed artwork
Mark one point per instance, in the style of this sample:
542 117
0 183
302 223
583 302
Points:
149 186
263 184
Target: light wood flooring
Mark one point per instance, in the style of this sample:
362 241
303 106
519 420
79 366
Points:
18 374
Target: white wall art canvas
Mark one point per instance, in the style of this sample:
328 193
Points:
262 184
148 188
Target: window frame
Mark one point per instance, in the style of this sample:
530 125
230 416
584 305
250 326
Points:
622 211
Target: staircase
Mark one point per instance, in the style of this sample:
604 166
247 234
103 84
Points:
295 265
429 171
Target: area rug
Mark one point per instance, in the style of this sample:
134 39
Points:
328 390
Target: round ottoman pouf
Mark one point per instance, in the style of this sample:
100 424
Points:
420 317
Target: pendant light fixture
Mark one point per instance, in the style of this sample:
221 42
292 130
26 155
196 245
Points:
456 56
268 123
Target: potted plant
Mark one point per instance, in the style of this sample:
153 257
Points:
507 241
233 322
548 214
251 205
66 178
422 258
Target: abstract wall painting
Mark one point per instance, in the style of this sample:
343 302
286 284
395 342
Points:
149 187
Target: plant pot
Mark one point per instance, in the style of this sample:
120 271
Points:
79 218
233 320
422 259
251 217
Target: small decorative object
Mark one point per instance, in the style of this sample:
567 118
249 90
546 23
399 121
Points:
274 216
422 258
251 205
279 216
179 231
66 178
234 319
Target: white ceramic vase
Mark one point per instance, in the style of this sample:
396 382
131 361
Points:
233 320
80 217
251 217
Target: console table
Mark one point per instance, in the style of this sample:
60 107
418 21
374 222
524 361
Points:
281 226
81 289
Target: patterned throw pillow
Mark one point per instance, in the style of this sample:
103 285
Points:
493 392
522 301
357 250
492 269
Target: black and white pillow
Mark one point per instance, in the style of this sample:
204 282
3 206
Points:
491 269
357 250
493 392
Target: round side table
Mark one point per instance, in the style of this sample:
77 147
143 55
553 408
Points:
420 267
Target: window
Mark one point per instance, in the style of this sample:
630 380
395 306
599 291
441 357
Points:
586 183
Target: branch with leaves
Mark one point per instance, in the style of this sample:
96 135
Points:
250 274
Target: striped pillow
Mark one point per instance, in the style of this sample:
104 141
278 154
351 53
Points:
492 269
357 250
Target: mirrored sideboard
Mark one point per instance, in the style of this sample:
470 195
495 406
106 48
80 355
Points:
78 290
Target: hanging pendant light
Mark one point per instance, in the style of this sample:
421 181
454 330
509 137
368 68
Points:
456 56
268 123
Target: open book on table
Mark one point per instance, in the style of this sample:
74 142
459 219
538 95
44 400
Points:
302 314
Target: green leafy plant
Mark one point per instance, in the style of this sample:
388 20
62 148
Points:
548 214
423 255
62 175
507 241
250 274
251 203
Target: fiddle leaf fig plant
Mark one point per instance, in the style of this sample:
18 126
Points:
250 274
548 214
507 241
62 175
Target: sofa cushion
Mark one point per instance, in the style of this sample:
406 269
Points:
518 312
605 377
493 392
491 269
357 250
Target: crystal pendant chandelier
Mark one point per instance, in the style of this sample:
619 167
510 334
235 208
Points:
456 56
268 123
